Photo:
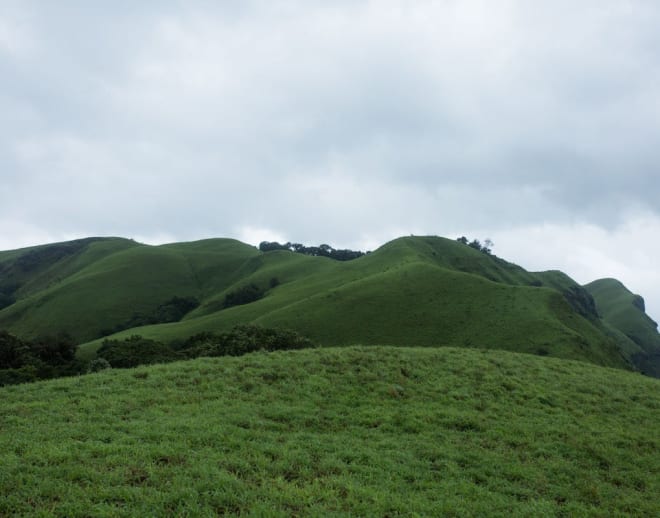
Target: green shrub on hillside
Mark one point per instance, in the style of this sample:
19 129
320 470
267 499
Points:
136 351
486 248
25 374
243 339
323 250
98 364
243 295
172 310
14 353
43 358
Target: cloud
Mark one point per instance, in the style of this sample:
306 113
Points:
347 122
627 252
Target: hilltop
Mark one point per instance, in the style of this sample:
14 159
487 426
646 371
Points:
413 291
377 431
624 311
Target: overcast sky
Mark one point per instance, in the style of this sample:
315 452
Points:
533 123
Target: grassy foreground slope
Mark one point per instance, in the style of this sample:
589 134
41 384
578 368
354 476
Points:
625 312
371 431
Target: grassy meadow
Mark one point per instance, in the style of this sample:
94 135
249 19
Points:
354 431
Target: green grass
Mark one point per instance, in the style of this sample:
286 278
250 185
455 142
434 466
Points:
361 431
624 312
109 288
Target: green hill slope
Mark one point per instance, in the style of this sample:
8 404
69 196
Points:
625 312
108 282
367 431
412 291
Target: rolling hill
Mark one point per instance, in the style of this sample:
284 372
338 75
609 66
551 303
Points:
625 312
361 431
413 291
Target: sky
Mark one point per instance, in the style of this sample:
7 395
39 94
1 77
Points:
534 124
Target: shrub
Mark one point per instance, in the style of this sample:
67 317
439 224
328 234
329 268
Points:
25 374
243 339
136 351
98 364
243 295
14 352
172 310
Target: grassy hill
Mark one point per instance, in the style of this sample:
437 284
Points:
625 312
105 282
377 431
424 291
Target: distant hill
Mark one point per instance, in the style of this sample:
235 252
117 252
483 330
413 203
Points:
625 312
426 291
359 431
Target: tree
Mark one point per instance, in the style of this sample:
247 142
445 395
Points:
243 295
323 250
135 351
54 350
14 353
486 248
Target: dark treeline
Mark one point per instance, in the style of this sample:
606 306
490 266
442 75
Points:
23 361
486 248
240 340
44 358
318 251
173 310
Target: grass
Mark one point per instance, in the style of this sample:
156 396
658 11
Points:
624 312
361 431
109 289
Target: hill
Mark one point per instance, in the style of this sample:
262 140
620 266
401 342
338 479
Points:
376 431
625 312
102 283
426 291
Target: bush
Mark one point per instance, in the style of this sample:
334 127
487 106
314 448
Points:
25 374
172 310
323 250
243 295
98 364
43 358
14 353
54 350
136 351
243 339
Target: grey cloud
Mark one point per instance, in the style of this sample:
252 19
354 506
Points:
186 118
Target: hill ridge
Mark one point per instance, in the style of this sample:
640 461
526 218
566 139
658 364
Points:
412 290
